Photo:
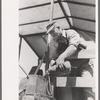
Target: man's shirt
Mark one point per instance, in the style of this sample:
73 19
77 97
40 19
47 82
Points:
70 37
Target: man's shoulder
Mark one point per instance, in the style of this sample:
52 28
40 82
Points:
70 30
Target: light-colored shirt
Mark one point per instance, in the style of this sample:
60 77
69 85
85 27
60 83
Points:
72 36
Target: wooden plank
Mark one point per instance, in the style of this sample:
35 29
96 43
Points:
75 82
38 14
85 25
26 3
83 1
33 14
40 27
82 11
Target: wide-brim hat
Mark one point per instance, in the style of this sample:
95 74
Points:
50 27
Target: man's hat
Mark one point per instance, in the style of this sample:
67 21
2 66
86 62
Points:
50 27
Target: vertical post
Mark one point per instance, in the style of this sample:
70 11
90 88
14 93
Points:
48 45
20 47
49 36
52 8
51 18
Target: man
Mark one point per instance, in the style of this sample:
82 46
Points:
72 40
69 37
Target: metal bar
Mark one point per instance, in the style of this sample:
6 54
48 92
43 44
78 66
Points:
24 71
49 36
40 21
34 6
59 1
48 41
51 13
45 4
43 33
40 5
57 19
20 47
34 34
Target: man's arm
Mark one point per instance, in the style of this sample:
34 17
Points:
71 49
74 39
67 53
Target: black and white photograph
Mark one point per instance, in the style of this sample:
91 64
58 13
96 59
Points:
57 50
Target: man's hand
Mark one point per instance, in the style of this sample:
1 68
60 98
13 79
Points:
60 62
66 66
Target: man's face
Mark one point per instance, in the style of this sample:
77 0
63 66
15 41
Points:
56 33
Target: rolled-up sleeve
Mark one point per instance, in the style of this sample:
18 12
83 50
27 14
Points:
73 37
